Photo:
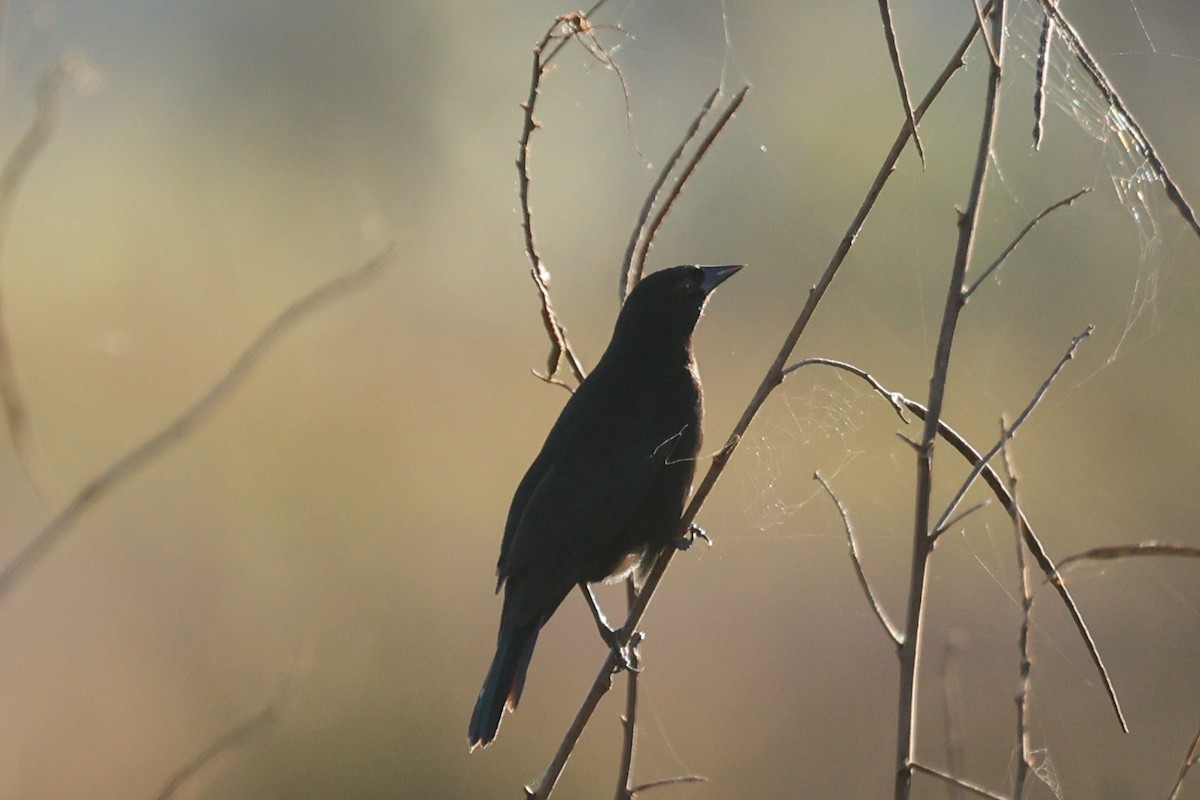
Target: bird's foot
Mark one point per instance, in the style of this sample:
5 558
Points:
694 532
624 655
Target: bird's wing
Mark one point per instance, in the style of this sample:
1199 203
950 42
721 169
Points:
583 502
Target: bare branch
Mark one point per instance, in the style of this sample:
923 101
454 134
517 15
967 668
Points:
1189 760
1139 550
667 782
1039 92
1009 433
973 788
1067 31
889 33
987 40
1066 201
629 278
880 614
187 422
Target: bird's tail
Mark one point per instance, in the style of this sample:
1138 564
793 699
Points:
506 678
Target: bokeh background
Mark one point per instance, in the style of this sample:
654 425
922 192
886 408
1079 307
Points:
332 529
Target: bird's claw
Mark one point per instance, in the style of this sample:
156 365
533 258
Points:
624 657
694 531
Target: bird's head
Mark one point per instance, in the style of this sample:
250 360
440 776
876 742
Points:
667 304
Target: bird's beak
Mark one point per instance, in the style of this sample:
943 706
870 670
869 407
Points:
715 276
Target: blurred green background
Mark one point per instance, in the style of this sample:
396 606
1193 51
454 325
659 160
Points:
334 527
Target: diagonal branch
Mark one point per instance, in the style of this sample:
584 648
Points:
889 33
1139 550
1067 31
888 626
973 788
995 265
187 422
1190 758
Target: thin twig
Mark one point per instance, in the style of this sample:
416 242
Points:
628 278
772 378
45 121
889 33
1066 201
987 42
667 782
974 788
1042 70
647 242
1139 550
1189 760
1024 751
185 423
959 517
1117 106
872 600
1009 433
906 715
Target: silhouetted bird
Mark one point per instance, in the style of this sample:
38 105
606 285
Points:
606 493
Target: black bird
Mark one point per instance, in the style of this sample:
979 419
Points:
606 493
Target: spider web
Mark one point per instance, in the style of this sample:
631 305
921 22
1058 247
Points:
1121 167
